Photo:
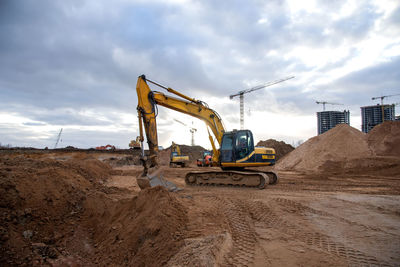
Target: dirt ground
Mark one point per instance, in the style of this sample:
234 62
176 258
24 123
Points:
73 209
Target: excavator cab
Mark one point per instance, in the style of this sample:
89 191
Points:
236 146
238 151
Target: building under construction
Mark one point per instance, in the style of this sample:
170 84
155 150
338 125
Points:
329 119
374 115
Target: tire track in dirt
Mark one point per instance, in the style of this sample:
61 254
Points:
369 206
263 213
242 231
302 208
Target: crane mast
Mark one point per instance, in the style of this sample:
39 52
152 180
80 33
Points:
191 129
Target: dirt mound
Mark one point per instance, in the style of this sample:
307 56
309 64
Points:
194 153
375 165
164 156
60 213
123 161
334 147
281 148
344 149
384 139
144 231
37 200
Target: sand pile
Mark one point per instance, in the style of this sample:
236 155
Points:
337 145
327 150
59 213
281 148
194 153
37 200
384 139
346 149
144 231
164 156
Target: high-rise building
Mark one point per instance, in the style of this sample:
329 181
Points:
374 115
329 119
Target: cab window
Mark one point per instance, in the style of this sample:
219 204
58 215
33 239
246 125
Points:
244 144
226 148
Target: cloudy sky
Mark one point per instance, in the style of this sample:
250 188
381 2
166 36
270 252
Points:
74 65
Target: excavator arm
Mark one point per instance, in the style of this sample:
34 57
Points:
147 113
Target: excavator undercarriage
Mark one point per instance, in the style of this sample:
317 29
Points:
247 178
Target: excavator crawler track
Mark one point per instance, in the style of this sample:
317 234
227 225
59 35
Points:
231 178
273 177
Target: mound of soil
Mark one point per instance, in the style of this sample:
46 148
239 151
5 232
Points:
344 149
281 148
384 139
335 146
194 153
37 200
144 231
59 213
164 156
122 161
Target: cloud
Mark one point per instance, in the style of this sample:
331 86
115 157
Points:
34 123
376 80
74 64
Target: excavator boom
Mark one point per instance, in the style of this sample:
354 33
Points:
148 99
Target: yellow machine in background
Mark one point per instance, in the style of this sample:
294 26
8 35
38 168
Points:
135 144
177 159
236 148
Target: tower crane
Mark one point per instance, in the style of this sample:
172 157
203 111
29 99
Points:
382 97
58 138
258 87
192 129
324 103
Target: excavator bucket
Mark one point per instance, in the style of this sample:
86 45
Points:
155 178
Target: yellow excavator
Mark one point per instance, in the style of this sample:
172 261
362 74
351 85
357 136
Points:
135 144
177 159
235 153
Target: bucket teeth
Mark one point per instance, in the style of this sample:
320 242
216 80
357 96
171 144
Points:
155 178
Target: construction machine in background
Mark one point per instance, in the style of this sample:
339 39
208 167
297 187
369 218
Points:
135 144
177 159
206 160
235 153
107 147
